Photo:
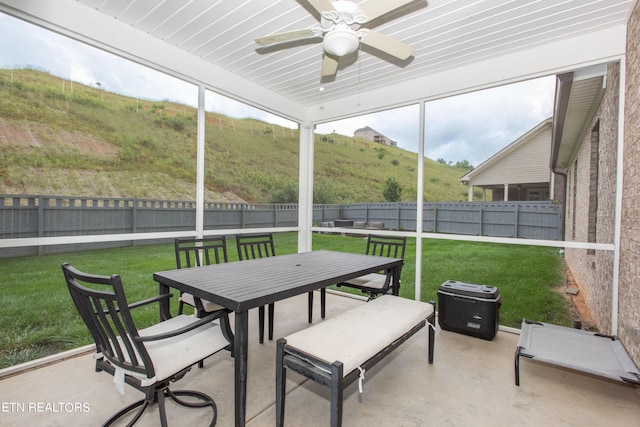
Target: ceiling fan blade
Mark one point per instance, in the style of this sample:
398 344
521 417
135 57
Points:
388 45
285 37
375 8
329 66
321 5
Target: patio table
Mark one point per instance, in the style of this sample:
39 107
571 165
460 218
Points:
241 286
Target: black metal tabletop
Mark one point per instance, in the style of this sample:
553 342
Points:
240 286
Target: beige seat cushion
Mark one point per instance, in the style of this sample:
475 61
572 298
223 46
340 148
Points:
171 355
371 280
356 335
208 306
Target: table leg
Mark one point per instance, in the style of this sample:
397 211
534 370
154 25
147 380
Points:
395 287
240 348
165 307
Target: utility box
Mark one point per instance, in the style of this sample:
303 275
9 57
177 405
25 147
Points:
469 309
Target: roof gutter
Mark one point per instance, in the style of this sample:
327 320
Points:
564 83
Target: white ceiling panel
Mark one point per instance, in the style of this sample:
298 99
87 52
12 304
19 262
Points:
447 35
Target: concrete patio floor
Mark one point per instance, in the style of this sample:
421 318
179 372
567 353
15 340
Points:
471 383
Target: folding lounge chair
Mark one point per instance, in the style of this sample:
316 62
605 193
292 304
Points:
584 351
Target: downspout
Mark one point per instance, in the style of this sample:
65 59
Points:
563 87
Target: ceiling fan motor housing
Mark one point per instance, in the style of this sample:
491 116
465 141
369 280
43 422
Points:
340 24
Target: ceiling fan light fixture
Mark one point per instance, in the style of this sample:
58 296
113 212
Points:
341 42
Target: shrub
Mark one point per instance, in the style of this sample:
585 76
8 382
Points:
392 190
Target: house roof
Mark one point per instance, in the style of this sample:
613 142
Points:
578 94
366 129
460 46
503 155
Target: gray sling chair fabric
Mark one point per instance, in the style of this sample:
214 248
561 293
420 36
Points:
585 351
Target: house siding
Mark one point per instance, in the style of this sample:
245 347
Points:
591 204
629 278
534 153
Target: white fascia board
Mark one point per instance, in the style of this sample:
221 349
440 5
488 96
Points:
81 23
556 57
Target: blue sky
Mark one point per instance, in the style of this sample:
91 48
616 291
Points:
469 127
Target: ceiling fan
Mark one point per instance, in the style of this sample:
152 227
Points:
341 30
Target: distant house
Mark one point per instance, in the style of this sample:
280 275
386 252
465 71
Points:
373 135
518 172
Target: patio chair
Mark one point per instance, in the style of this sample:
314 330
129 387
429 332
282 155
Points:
193 252
372 284
196 252
147 359
252 246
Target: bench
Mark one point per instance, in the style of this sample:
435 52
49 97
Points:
338 351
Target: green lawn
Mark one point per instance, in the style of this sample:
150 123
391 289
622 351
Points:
37 317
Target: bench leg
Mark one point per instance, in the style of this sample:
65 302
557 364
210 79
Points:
517 365
281 377
336 394
431 320
311 307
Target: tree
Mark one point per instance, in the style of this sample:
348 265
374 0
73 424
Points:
392 190
464 165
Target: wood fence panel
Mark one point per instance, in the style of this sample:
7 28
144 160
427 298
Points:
44 216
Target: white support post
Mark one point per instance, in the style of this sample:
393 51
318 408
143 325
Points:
200 164
305 189
506 193
470 196
420 203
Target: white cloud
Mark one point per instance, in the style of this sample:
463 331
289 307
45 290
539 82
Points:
469 127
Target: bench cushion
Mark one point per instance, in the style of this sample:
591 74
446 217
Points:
356 335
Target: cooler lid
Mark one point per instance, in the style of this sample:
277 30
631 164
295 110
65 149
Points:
469 289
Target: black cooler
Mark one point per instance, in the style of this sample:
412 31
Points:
469 309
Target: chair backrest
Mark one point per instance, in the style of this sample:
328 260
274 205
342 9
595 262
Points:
193 252
387 246
103 307
251 246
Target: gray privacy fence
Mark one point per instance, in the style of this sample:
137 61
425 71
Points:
48 216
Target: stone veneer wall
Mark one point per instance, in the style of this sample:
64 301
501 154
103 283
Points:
593 270
629 278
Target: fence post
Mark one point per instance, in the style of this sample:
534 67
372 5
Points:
435 217
517 220
481 214
275 215
40 222
134 216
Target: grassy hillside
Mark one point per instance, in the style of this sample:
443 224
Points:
59 137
